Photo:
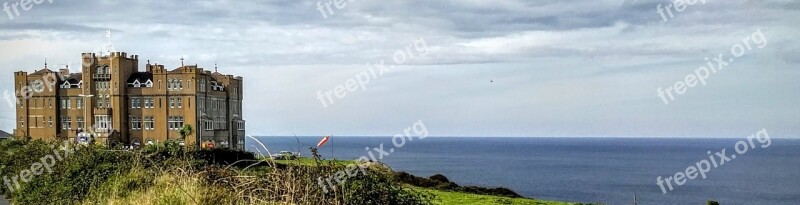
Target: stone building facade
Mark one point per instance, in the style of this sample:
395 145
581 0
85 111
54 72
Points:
116 103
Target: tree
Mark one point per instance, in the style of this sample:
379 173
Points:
184 131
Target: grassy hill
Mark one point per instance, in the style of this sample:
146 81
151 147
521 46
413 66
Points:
447 197
168 174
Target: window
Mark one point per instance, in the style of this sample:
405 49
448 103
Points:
66 85
136 102
171 102
50 103
179 101
79 103
100 102
240 125
149 123
148 102
149 84
209 124
175 84
175 122
80 122
136 123
103 101
50 121
21 122
64 103
66 123
103 123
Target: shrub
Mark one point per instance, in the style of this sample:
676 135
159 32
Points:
168 174
440 182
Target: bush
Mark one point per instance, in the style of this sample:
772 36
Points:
167 174
440 182
70 180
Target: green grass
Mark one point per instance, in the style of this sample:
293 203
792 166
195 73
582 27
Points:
446 198
310 161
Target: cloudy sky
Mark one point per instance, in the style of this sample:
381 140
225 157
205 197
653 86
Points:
559 68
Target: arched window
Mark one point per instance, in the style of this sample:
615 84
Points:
99 70
107 69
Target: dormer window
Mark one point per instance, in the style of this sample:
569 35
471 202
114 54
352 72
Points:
149 84
215 86
136 83
80 84
66 85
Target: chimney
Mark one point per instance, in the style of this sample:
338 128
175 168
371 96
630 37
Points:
63 72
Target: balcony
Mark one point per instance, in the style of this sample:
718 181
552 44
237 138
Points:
101 76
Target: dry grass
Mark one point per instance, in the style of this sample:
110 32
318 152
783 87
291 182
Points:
260 182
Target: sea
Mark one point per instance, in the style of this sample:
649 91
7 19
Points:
599 170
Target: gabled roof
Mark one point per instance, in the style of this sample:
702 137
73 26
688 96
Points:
141 77
74 78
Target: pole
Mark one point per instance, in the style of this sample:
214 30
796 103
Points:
298 144
85 111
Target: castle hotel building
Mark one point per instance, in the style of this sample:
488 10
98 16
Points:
118 104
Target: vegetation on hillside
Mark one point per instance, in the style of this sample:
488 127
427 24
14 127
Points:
169 174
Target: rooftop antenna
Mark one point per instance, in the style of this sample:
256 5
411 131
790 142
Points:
182 61
215 67
45 63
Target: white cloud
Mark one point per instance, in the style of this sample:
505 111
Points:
561 68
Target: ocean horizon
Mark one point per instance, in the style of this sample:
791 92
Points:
608 170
